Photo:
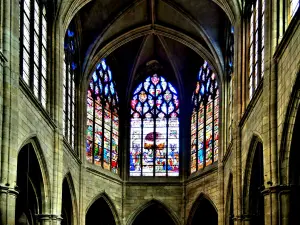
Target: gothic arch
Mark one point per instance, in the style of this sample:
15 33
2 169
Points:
110 204
33 141
68 178
248 169
141 208
202 197
287 132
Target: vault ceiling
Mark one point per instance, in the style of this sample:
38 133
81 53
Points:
102 21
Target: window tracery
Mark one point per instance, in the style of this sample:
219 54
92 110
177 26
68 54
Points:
154 147
205 120
102 120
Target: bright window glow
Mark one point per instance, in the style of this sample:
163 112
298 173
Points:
102 120
294 5
69 72
256 45
154 142
34 58
205 120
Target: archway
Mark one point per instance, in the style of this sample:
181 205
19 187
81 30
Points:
30 183
204 212
294 173
154 214
256 199
100 213
67 207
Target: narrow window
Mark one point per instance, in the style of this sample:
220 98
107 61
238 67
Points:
33 40
205 120
102 120
70 70
256 45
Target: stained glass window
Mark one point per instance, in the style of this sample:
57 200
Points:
102 119
70 69
154 146
33 41
256 45
229 62
205 120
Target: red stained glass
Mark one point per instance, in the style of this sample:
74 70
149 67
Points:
154 149
103 122
206 108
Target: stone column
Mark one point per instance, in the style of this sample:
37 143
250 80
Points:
49 219
246 218
9 58
7 204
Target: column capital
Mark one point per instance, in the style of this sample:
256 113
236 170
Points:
276 189
45 217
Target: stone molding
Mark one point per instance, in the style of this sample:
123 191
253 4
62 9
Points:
8 190
50 217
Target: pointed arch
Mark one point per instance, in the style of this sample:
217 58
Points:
202 198
33 182
254 181
102 119
148 204
154 147
293 109
33 140
205 120
71 188
104 196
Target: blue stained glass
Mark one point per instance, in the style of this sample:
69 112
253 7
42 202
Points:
171 107
138 89
106 90
74 66
95 76
146 85
172 88
103 64
105 102
164 108
152 98
100 86
201 100
112 89
109 74
146 108
202 90
207 85
70 33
